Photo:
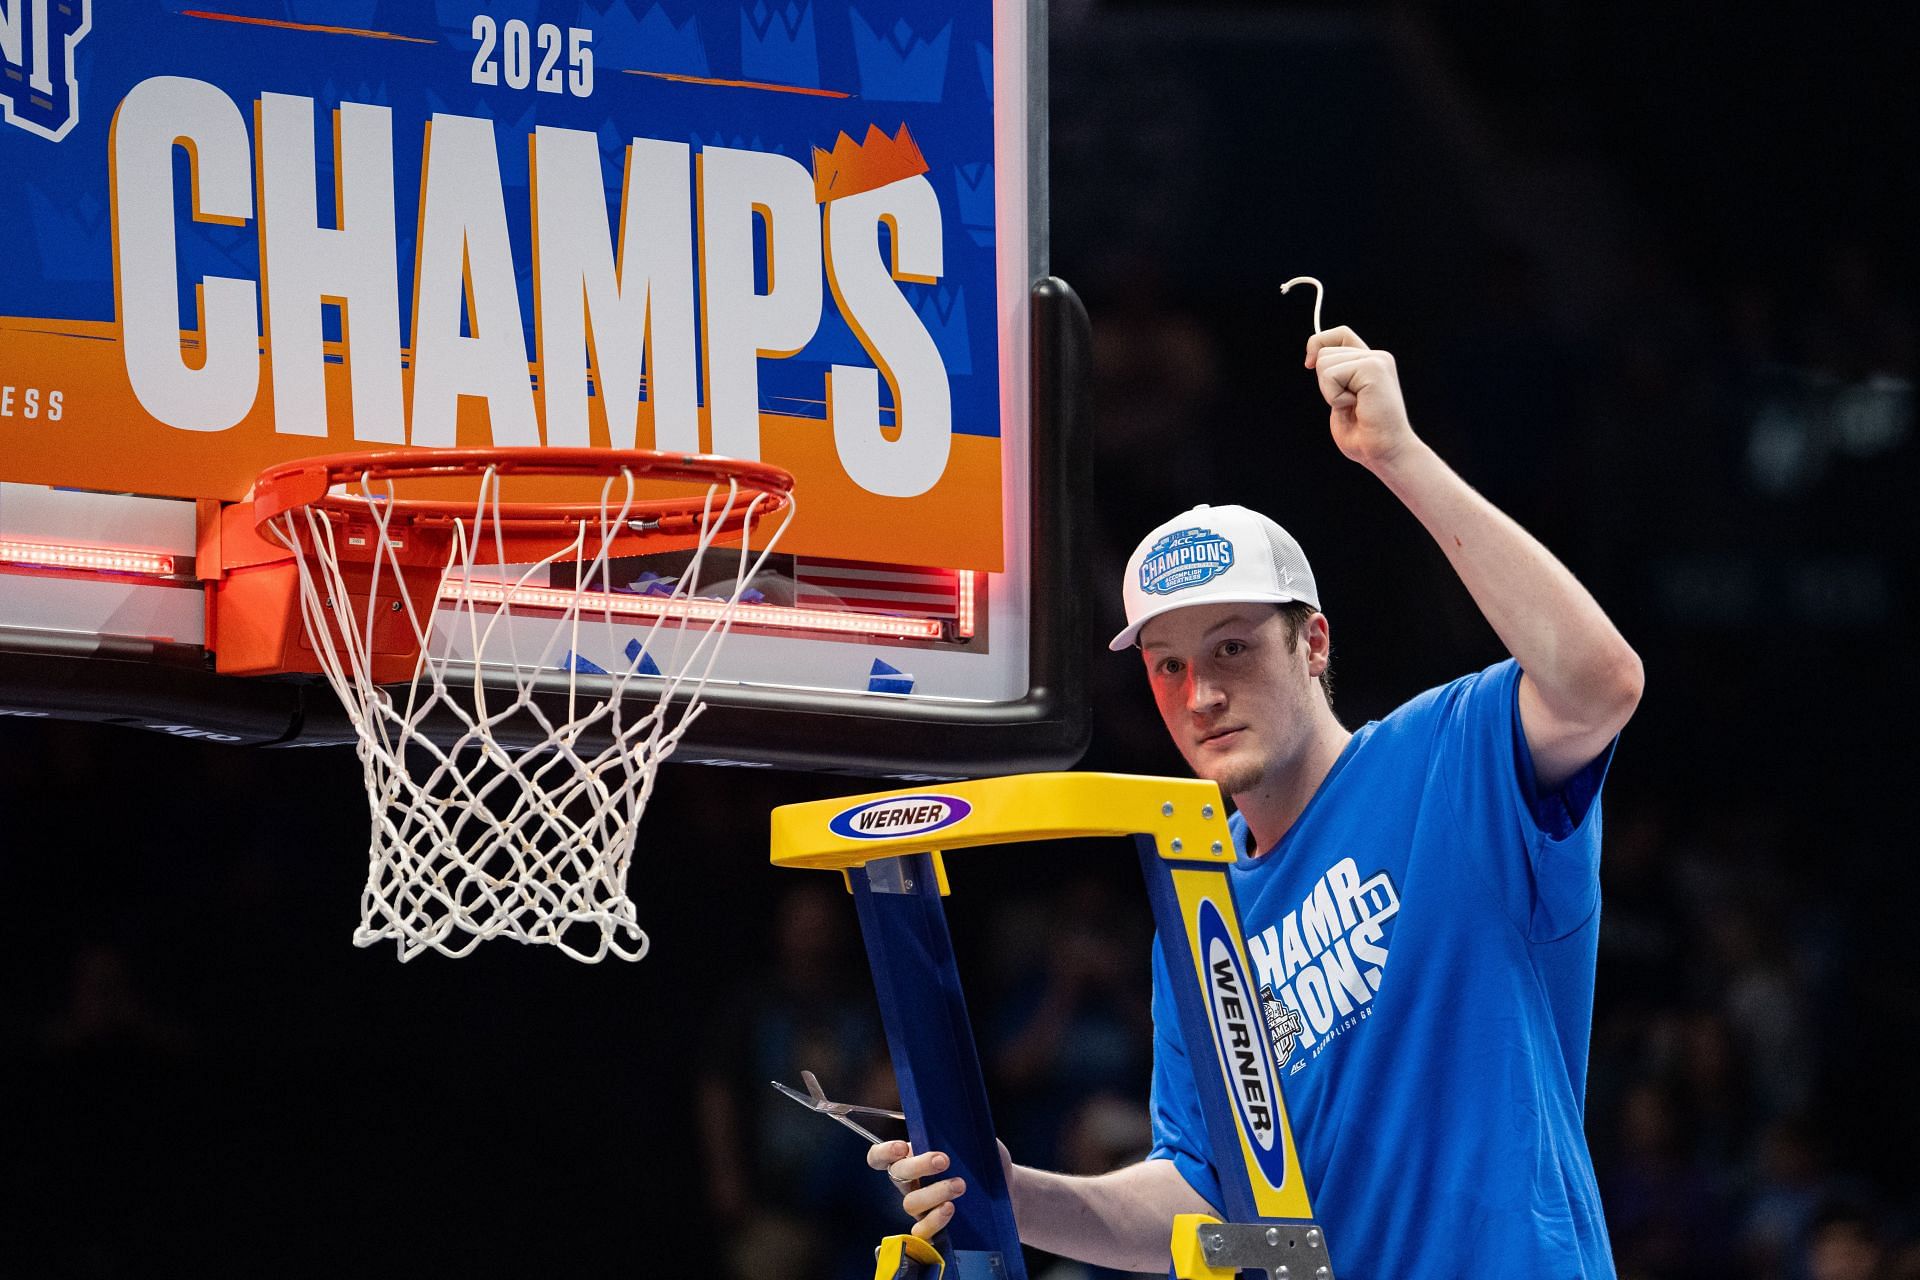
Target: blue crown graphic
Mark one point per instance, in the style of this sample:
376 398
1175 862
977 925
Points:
508 135
457 15
739 142
944 312
339 13
613 139
332 95
835 343
777 44
652 42
453 15
900 66
214 249
511 137
437 105
974 185
74 242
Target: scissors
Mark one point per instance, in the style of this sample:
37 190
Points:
815 1099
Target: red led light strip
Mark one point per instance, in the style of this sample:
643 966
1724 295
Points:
969 580
49 555
697 610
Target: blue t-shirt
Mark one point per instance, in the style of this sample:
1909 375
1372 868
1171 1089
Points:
1427 932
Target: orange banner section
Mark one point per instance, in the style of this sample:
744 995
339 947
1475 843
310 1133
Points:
68 416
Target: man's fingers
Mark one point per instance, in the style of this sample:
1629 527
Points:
882 1155
1333 357
1338 336
933 1196
934 1223
911 1169
1338 367
930 1204
1340 378
1344 373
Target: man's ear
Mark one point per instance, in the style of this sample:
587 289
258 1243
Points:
1319 638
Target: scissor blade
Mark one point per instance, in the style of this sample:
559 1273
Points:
815 1099
819 1101
811 1104
858 1128
827 1109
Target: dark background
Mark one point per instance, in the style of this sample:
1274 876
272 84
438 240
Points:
1648 274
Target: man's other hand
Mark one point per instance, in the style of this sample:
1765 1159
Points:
1362 388
929 1204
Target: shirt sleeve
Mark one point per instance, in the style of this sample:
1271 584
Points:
1179 1129
1542 848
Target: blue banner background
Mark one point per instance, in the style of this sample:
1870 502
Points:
924 63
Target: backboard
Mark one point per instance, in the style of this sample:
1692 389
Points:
801 231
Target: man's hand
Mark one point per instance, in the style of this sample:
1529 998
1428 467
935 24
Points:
1362 387
930 1205
1122 1219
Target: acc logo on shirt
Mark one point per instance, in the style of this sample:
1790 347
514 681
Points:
1184 558
1234 1007
899 816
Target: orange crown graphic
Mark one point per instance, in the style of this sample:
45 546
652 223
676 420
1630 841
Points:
853 167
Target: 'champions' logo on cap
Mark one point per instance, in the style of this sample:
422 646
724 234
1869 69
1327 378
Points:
1184 558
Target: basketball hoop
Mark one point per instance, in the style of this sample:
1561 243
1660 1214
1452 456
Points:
399 582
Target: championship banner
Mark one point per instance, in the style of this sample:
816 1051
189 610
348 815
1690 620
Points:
269 229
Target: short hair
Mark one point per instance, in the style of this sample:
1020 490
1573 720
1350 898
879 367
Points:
1295 614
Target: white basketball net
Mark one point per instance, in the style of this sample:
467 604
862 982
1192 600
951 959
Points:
470 840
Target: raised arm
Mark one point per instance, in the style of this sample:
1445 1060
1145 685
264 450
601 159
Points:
1580 679
1122 1220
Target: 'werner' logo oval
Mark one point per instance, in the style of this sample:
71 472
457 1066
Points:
899 816
1234 1007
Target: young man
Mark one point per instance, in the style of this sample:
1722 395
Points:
1437 1100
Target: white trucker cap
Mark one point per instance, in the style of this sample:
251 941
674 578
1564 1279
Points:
1213 555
